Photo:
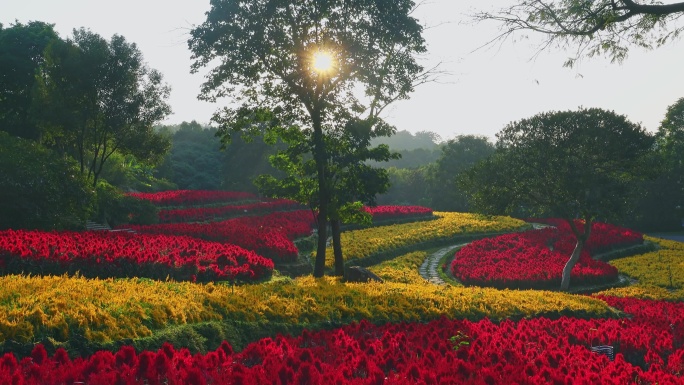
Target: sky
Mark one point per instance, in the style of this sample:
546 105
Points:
481 91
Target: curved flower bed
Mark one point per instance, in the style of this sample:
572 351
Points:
535 258
364 243
663 267
604 236
535 351
120 254
192 197
199 214
394 212
33 308
270 235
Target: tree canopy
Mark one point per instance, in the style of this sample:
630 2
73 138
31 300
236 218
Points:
40 189
265 51
603 27
99 98
569 164
21 58
458 155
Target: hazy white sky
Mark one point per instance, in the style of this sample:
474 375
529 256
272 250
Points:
485 90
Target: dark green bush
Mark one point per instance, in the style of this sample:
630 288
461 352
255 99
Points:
116 209
41 189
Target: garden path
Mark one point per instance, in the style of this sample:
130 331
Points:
430 266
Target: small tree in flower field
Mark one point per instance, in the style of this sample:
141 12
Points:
570 164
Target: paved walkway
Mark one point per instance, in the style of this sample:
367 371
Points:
429 268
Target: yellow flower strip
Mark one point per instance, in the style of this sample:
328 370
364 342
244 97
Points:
359 244
663 268
101 310
33 308
645 292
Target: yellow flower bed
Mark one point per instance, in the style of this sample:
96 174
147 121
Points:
101 310
403 269
32 308
645 292
359 244
663 268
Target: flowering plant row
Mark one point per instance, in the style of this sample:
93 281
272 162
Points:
534 351
364 243
192 197
380 213
270 235
603 237
663 267
535 258
122 254
199 214
35 308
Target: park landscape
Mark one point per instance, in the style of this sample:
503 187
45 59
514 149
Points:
276 247
160 306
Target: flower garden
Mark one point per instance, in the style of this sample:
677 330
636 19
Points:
200 302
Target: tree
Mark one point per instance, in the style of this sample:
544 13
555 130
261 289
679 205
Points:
21 58
100 98
269 54
40 189
353 182
458 155
571 164
603 27
670 144
409 186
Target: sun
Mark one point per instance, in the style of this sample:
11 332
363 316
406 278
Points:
323 62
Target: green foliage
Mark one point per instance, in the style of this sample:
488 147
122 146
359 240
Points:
659 203
459 340
458 155
409 186
128 174
21 58
567 164
197 162
98 97
404 140
40 188
115 208
603 27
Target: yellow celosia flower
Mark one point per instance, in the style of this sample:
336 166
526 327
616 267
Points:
663 267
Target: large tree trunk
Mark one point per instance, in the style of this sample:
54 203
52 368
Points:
319 264
337 247
581 241
323 195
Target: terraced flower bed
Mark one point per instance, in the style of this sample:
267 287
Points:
202 214
102 254
534 351
389 241
269 235
193 197
158 329
535 258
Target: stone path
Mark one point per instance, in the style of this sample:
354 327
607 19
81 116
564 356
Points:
429 268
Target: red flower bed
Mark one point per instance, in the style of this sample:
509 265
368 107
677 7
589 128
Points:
395 212
535 259
199 214
604 236
192 197
270 235
530 351
120 254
